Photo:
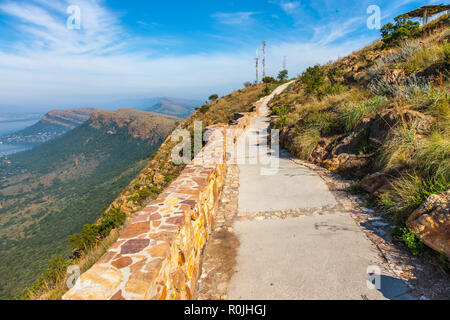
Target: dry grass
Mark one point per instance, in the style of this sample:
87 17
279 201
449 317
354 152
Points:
305 143
425 57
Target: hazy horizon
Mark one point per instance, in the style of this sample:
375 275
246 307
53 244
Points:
150 49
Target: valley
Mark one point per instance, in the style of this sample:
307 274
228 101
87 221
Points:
51 191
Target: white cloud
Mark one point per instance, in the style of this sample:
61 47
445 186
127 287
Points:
336 30
235 18
290 7
57 67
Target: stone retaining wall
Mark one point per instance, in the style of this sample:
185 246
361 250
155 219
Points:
158 255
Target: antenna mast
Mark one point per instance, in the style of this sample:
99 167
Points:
264 58
257 66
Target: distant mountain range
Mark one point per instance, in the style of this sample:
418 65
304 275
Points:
58 122
51 191
170 106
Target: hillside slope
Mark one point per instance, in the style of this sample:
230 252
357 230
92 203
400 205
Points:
174 107
381 117
51 125
51 191
165 105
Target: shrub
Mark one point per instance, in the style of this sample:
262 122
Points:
55 272
213 97
91 234
110 220
332 88
413 242
269 80
205 108
432 157
398 148
280 111
85 240
408 193
332 74
281 123
326 123
313 79
387 88
283 75
404 28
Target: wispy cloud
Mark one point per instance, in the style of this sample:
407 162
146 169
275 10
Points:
334 31
53 65
43 26
290 7
235 18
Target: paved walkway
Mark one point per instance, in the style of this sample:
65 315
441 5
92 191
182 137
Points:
292 239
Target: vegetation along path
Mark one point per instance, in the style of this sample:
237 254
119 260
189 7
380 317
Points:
286 236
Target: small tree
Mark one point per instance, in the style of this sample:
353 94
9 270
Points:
247 84
313 78
283 75
403 29
214 97
269 80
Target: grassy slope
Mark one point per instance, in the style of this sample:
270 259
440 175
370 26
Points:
51 191
349 117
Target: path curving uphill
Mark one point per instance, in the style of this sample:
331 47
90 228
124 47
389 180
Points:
285 236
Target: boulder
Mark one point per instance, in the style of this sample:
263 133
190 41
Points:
431 222
374 182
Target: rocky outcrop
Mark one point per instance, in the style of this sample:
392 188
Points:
373 183
352 154
431 222
68 118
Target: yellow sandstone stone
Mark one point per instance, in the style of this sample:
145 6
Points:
172 202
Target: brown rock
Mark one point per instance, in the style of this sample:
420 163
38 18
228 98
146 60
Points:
178 279
154 266
135 246
161 250
374 182
332 164
122 262
137 267
155 217
118 296
432 222
135 230
177 220
164 236
138 283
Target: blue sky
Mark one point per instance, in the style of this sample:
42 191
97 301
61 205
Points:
186 49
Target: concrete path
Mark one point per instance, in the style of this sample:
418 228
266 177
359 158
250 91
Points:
316 256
